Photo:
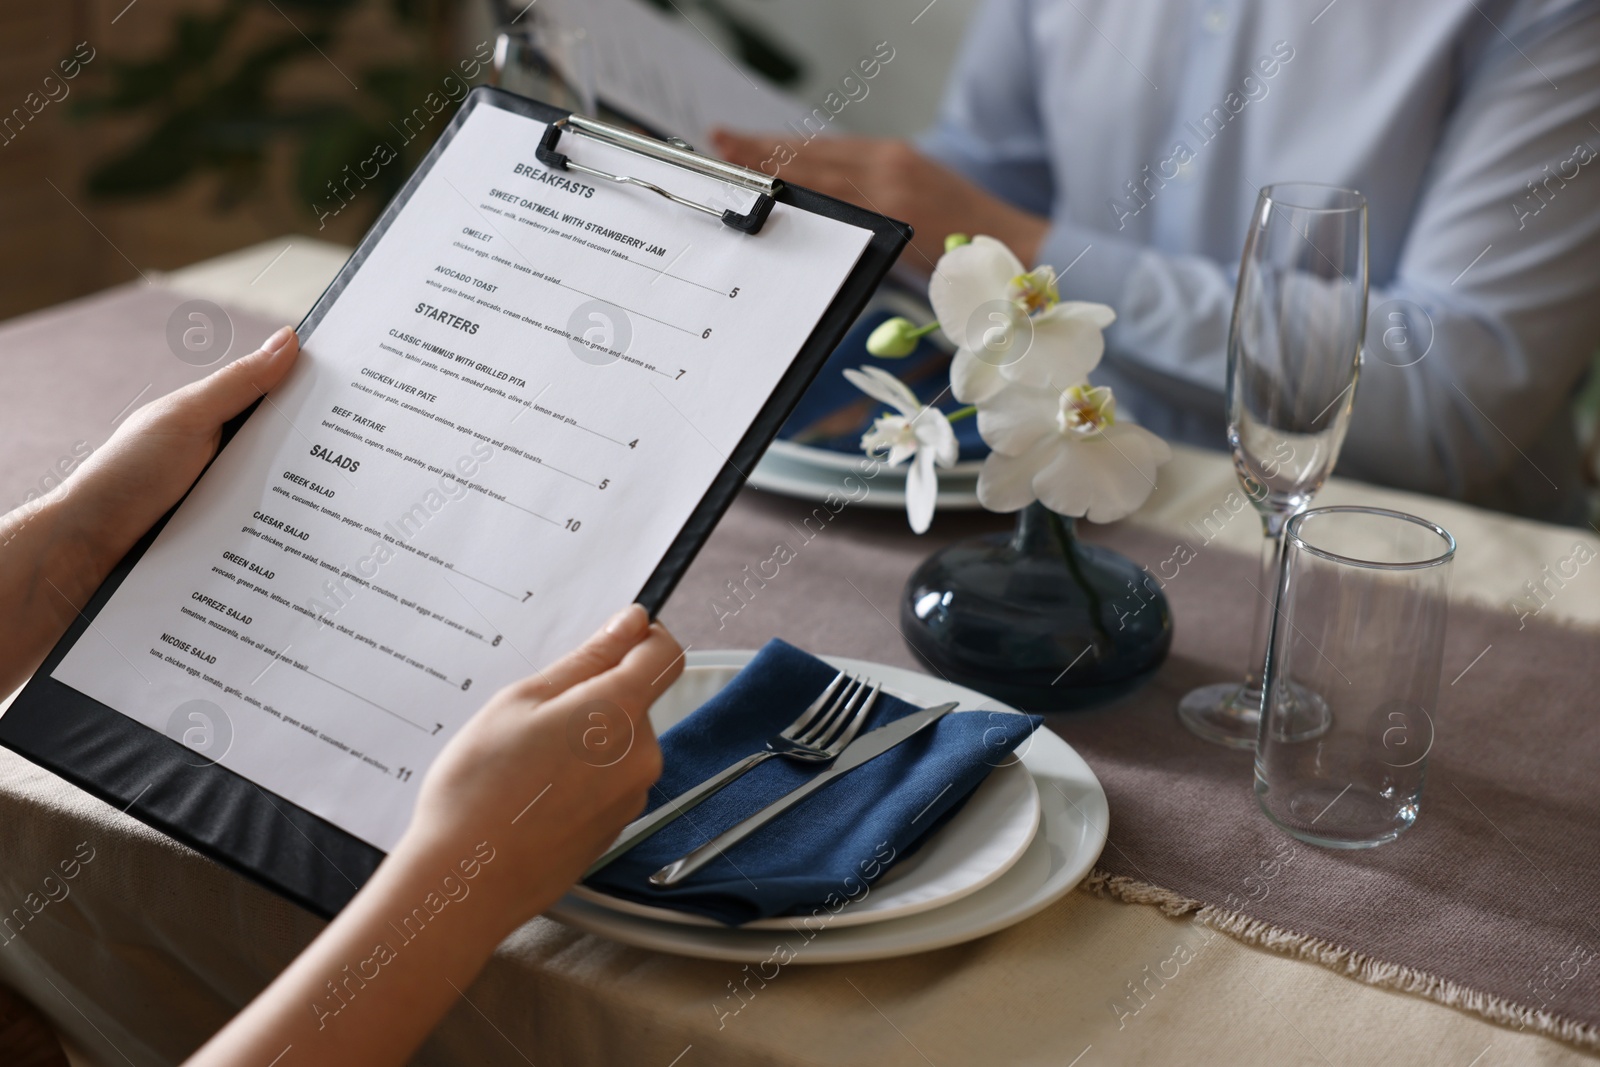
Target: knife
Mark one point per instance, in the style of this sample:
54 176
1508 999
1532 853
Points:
648 825
867 747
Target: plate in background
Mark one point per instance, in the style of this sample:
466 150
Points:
780 471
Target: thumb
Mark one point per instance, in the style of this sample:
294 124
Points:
601 652
221 395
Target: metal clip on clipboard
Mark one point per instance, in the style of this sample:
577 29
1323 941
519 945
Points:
677 154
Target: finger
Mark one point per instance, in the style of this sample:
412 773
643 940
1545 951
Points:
823 164
601 652
839 174
221 395
642 675
756 147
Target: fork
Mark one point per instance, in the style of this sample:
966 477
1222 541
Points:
818 735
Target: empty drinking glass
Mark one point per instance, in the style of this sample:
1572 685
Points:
1352 674
1299 316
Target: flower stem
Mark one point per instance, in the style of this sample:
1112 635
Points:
962 413
922 331
1068 543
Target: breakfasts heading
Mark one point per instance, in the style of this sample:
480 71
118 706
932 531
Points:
539 174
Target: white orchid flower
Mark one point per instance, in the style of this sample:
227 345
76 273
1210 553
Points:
918 432
1066 449
1010 325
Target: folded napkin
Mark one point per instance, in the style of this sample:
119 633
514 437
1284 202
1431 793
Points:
833 414
827 847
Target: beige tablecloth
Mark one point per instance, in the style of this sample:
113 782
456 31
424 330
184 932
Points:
155 946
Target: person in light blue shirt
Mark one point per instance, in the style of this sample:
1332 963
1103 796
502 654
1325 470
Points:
1124 142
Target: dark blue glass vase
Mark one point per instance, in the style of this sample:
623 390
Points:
1037 618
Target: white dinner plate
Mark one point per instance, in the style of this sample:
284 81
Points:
1072 831
977 845
780 472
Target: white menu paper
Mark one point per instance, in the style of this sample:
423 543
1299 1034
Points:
661 69
491 438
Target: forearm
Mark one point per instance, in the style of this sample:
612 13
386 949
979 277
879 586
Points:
1173 311
373 985
1018 230
1013 207
1459 393
1466 400
470 869
48 571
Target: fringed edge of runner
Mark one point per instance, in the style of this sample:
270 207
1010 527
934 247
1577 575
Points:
1349 962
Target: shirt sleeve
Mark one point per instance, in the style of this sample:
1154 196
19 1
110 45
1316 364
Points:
989 127
1503 261
1498 282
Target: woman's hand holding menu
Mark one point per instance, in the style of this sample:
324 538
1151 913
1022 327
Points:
62 546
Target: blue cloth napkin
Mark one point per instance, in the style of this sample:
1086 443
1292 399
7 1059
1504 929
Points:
829 847
833 414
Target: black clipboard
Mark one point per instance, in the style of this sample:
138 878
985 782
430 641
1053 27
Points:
262 836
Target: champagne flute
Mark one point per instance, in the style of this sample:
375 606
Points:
1299 316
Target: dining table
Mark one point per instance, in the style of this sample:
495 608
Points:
155 946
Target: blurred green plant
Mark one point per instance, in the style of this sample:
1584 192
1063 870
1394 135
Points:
212 97
213 102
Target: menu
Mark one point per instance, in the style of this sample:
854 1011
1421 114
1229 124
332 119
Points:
494 432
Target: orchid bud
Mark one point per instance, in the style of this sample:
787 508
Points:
894 338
